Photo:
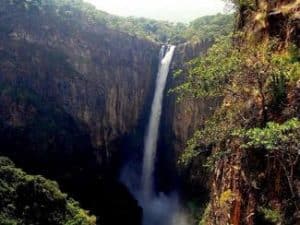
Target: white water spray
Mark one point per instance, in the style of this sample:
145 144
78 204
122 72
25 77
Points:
166 56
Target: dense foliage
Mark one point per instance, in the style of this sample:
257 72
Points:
226 68
209 27
239 74
27 199
162 31
159 31
256 127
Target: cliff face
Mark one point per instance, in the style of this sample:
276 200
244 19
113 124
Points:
271 19
252 185
99 77
182 118
68 89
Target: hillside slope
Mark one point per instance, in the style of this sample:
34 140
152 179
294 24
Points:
253 137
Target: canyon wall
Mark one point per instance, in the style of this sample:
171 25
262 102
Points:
69 87
75 98
101 78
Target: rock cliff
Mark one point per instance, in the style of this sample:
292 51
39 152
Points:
68 89
75 97
248 184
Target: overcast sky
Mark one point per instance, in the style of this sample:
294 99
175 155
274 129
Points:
173 10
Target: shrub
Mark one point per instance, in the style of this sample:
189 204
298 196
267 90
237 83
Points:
27 199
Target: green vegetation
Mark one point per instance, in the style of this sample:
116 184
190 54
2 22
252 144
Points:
274 136
77 11
242 3
207 27
208 75
238 74
256 128
227 69
273 216
27 199
205 215
282 142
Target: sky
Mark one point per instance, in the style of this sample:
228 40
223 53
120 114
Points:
172 10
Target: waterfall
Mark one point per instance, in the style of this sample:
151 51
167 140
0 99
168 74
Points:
158 208
166 55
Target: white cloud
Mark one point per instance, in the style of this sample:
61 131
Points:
173 10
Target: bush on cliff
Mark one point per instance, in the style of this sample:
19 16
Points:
27 199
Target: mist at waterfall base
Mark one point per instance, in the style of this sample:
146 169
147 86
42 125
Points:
158 208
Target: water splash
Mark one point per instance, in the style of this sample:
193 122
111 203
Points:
164 210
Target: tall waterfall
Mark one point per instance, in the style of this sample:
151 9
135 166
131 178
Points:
166 55
158 208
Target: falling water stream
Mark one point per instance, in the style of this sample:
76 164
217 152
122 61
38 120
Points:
158 208
166 55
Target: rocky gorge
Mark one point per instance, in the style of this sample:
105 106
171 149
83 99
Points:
75 100
76 92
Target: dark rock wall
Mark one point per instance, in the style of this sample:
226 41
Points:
75 98
68 90
98 76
